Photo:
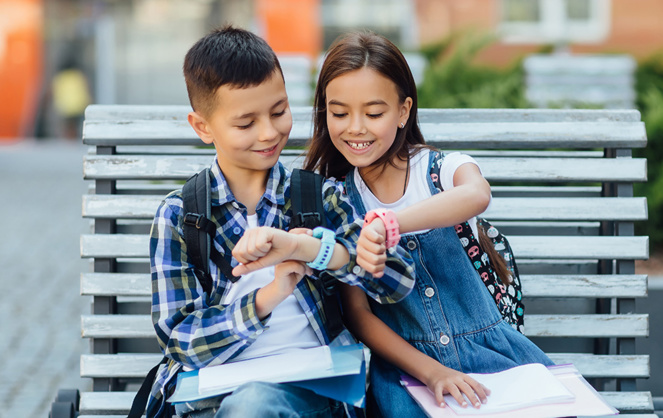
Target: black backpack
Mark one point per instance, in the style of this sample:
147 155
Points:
199 230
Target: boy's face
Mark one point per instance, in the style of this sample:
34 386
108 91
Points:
249 126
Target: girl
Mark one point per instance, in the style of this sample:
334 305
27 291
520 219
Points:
365 128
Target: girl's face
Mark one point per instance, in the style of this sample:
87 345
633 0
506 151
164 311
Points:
364 114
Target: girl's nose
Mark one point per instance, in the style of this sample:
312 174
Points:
357 126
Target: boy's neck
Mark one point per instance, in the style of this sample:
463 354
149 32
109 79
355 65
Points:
248 187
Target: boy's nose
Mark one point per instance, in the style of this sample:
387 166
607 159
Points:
268 132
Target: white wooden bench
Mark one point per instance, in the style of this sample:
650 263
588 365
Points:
562 182
571 80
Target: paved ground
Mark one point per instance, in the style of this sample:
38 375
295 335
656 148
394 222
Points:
40 221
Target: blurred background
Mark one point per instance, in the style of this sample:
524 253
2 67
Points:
58 56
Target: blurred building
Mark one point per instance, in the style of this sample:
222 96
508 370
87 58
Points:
131 51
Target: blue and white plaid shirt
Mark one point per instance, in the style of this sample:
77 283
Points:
193 328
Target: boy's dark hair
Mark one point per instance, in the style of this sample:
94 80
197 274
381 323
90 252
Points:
350 52
226 56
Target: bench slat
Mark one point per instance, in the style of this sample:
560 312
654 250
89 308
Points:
590 365
538 325
95 403
151 167
501 208
575 286
539 247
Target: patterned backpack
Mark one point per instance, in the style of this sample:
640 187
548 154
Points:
507 293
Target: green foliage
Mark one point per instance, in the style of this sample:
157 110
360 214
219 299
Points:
649 88
453 80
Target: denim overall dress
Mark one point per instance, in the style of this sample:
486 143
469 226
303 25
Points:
449 315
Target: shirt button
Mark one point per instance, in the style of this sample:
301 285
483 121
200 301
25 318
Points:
237 230
411 245
357 270
430 292
444 338
235 205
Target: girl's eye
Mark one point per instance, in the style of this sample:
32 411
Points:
338 115
375 115
247 126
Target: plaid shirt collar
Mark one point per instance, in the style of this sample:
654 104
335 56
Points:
274 191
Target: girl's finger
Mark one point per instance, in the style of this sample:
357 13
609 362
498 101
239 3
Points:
457 395
470 394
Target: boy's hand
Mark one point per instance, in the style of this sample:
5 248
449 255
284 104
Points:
262 247
288 273
371 248
444 380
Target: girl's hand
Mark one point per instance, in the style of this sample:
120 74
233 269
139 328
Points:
288 273
444 380
371 248
262 247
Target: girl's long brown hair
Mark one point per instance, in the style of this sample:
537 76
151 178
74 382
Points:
351 52
497 262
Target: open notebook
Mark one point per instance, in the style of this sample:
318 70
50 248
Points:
529 391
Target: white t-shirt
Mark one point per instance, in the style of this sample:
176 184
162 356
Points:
417 187
289 329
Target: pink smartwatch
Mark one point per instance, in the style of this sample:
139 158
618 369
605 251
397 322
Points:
390 223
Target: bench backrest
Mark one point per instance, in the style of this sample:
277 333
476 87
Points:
563 193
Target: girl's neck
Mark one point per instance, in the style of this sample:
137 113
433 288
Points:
387 182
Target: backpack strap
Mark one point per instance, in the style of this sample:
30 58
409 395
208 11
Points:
140 400
308 212
199 230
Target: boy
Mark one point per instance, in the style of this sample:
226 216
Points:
239 102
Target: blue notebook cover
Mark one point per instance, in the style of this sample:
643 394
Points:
345 382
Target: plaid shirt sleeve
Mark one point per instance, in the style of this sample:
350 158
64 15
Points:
189 330
399 273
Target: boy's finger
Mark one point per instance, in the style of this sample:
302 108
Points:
301 231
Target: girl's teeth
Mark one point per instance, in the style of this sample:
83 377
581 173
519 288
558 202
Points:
361 145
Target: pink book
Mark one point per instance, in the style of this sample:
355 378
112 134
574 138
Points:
555 391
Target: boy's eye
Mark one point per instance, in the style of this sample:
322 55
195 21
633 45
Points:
247 126
279 114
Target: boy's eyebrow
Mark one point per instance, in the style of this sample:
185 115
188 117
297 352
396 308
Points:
252 114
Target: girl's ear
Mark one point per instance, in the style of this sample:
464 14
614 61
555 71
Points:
406 106
199 124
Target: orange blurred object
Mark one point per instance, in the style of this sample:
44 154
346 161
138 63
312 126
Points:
20 65
291 26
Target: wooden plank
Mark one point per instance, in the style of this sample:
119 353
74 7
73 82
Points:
151 167
500 209
601 366
116 284
304 113
496 135
535 247
590 326
534 285
590 365
97 403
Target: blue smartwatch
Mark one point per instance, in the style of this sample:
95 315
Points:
327 242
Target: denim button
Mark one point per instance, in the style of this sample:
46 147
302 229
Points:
411 245
444 339
430 292
237 230
356 270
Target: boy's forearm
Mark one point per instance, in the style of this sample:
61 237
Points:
308 248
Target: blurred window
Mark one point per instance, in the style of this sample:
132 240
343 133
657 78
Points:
394 19
554 21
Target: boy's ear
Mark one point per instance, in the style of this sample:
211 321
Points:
406 106
199 124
